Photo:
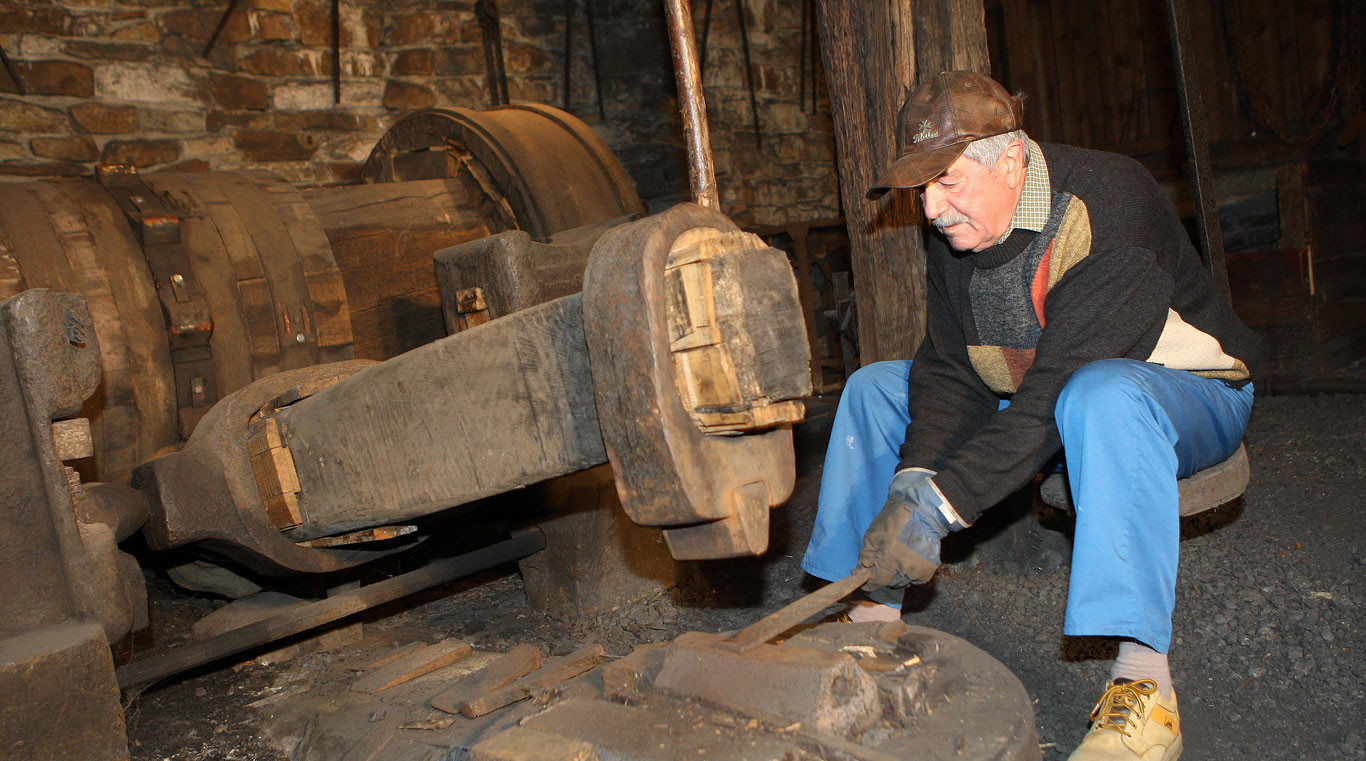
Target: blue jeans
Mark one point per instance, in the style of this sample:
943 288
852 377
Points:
1129 430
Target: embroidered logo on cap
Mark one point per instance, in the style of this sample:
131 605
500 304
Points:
925 133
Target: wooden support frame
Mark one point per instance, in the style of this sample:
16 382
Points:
874 52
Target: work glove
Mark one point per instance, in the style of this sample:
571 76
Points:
901 545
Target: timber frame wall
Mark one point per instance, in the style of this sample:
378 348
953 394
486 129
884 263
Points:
1282 86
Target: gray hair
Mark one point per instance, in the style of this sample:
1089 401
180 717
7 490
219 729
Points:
988 150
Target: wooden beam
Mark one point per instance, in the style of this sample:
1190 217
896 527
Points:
873 51
950 35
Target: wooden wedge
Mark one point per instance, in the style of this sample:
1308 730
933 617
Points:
551 674
505 670
412 666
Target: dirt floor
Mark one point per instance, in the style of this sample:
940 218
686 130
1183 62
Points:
1268 657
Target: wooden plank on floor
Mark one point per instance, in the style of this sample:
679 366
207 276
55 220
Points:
510 667
553 673
412 666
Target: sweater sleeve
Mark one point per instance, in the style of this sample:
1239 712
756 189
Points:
948 400
1111 304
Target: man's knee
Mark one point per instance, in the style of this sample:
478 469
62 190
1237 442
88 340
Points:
1107 385
876 383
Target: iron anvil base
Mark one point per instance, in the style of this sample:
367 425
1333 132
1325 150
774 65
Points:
933 696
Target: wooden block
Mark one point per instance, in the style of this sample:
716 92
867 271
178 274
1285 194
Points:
273 466
379 534
347 634
513 665
264 437
72 439
259 309
754 418
524 744
283 510
333 320
470 300
389 658
743 532
634 673
553 673
412 666
275 472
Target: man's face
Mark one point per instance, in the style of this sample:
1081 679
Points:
971 204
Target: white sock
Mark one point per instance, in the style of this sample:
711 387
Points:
1138 661
867 610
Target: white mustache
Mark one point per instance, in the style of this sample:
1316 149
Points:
948 219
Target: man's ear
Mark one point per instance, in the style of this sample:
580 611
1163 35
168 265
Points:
1011 165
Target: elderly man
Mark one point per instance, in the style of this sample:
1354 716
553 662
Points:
1067 311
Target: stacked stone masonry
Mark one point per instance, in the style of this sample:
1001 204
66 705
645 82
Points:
127 81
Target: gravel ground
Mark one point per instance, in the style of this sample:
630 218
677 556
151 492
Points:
1268 658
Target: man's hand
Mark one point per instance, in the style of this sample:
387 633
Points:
901 546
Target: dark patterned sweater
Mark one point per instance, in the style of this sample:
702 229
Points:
1111 274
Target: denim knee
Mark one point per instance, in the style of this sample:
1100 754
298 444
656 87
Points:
876 382
1107 385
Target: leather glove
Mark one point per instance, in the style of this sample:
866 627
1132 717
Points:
901 545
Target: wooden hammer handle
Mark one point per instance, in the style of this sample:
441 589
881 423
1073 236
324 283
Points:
793 613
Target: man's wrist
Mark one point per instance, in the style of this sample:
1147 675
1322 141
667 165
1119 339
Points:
942 504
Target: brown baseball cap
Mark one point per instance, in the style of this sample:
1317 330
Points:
939 119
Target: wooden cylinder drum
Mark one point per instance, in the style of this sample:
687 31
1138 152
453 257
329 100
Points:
70 236
254 256
543 167
289 278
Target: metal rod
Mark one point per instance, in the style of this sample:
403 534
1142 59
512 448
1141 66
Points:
815 51
569 8
801 61
18 84
593 48
322 612
749 71
1197 145
692 104
502 66
336 51
222 21
490 27
706 31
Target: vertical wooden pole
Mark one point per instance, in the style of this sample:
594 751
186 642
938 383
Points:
692 104
873 51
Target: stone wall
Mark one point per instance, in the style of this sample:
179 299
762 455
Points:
128 81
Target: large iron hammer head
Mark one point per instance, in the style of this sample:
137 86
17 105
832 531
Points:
700 361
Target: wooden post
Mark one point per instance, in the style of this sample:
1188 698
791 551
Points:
874 51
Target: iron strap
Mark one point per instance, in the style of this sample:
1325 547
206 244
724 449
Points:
189 321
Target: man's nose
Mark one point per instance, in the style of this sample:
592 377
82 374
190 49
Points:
933 199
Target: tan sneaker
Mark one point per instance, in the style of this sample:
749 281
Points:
1131 722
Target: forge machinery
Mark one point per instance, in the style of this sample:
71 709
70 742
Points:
181 357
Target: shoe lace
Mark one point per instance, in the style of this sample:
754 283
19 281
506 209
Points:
1122 705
